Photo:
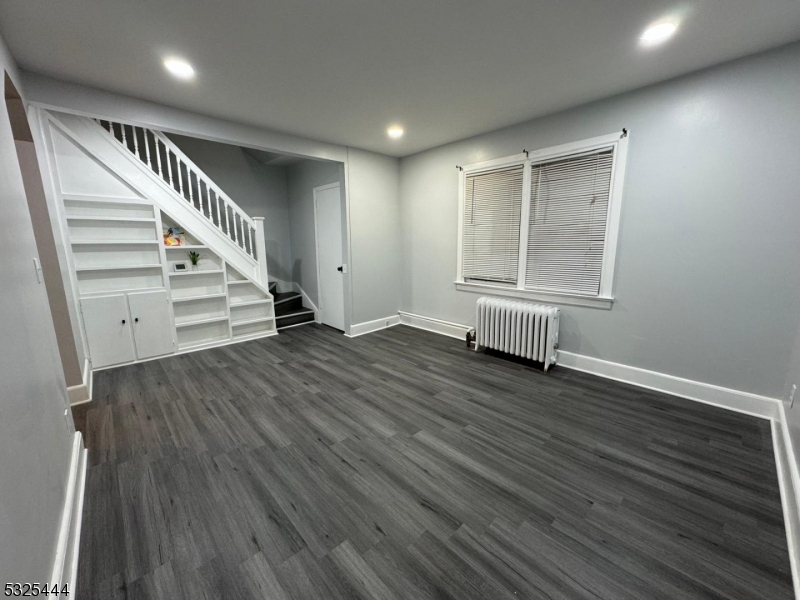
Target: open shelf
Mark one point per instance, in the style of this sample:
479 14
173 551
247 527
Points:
199 298
201 322
251 321
112 242
250 303
114 219
185 273
208 332
117 267
187 247
254 335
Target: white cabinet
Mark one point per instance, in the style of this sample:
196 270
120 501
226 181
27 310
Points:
123 327
108 330
152 326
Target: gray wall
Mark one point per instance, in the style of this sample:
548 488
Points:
374 182
301 180
35 435
707 274
260 190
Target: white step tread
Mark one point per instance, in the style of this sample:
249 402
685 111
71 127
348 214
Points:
187 247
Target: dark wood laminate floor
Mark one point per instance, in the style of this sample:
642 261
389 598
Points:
399 465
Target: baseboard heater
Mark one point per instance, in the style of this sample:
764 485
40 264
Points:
520 328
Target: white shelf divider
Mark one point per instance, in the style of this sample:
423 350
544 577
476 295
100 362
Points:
185 273
201 322
118 268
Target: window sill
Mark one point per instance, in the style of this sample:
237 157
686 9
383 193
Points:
553 297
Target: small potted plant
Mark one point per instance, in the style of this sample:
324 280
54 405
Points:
194 258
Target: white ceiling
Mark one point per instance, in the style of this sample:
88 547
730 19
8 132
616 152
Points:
343 71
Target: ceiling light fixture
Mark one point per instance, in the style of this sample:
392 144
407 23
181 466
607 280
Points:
179 68
658 33
395 132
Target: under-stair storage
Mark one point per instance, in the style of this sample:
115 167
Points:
202 334
122 328
131 223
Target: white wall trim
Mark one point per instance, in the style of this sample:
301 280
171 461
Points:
744 402
65 563
789 481
522 294
307 301
78 394
454 330
358 329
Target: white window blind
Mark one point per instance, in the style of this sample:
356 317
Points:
492 207
567 228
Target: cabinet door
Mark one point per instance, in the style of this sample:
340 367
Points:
152 325
108 330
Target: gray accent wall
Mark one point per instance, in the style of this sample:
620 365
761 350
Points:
301 180
707 278
35 433
260 190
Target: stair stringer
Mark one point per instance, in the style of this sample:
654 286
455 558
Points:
94 140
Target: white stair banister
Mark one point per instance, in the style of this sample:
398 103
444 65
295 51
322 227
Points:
261 254
241 234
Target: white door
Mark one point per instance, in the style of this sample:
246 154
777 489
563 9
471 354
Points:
330 265
108 330
152 326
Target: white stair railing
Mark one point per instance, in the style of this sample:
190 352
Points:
158 153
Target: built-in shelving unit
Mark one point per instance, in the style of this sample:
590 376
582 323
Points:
114 245
117 247
252 311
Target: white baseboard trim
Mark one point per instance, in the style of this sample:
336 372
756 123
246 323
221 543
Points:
744 402
307 301
82 393
789 481
358 329
454 330
65 564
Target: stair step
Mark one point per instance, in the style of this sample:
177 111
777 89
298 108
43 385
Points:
287 303
296 317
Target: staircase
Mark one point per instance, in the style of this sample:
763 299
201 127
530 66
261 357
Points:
119 188
289 309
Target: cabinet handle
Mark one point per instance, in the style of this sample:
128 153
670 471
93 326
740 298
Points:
136 320
123 321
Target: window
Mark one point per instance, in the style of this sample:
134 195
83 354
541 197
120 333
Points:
493 201
544 226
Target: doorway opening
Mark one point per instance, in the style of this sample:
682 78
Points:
48 262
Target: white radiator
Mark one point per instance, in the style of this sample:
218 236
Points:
519 328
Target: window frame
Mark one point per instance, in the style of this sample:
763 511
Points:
605 298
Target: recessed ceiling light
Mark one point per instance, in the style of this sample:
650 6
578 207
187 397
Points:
658 33
395 132
180 68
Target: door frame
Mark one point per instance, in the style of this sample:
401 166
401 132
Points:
345 255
